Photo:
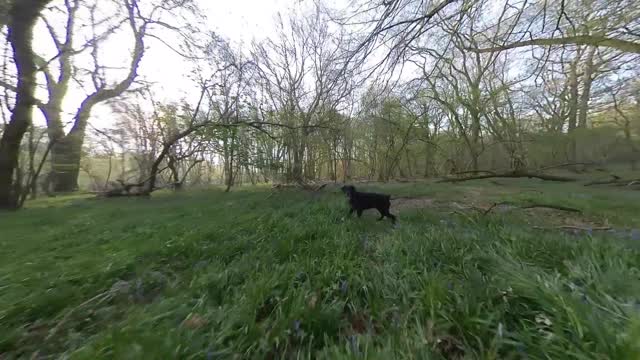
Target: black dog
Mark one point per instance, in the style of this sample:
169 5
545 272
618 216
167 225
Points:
360 201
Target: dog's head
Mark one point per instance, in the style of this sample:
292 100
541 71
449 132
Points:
348 190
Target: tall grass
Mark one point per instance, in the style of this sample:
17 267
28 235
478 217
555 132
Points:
257 275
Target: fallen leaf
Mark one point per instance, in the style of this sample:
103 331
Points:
194 322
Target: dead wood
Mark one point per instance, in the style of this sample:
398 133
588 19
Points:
567 165
531 206
510 174
475 172
572 227
550 206
299 185
615 181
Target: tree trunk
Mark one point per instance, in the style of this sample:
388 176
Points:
573 109
632 145
22 18
298 156
67 150
229 164
65 165
229 174
586 91
346 161
175 176
155 168
409 166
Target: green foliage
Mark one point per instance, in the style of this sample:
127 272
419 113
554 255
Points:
251 274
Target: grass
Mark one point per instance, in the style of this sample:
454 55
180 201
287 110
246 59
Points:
252 274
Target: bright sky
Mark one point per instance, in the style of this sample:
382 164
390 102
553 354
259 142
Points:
237 20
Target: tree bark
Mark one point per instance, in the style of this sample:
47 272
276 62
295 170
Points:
587 79
573 108
573 95
22 18
65 162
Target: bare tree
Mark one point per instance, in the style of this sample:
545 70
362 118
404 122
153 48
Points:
22 18
124 15
303 74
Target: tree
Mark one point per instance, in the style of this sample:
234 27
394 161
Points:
140 21
303 73
23 15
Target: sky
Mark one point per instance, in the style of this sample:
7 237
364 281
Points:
240 21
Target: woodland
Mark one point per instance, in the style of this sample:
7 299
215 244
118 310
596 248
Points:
382 91
169 191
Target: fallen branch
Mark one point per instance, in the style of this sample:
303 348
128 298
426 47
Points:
300 184
491 208
320 187
511 174
566 165
601 228
615 180
532 206
550 206
475 172
125 190
572 227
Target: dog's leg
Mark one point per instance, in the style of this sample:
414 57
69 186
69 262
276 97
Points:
388 214
351 212
360 212
382 214
392 217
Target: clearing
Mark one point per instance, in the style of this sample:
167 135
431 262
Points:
470 272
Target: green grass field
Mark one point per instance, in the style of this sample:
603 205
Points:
256 274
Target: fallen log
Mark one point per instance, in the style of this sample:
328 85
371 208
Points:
128 190
511 174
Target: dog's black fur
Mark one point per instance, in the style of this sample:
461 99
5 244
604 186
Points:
360 201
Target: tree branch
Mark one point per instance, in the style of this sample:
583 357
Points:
593 40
